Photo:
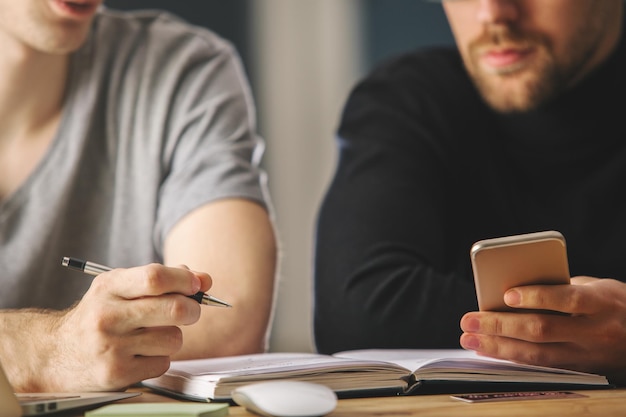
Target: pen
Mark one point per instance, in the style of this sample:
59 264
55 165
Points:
93 268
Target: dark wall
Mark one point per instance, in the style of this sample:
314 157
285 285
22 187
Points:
229 18
396 26
390 26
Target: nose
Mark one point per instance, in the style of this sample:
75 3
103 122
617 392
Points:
497 11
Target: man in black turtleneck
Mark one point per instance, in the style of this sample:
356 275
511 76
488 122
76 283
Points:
520 129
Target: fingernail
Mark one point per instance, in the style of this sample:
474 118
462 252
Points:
512 298
196 284
470 342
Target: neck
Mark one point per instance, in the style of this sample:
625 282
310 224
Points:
32 86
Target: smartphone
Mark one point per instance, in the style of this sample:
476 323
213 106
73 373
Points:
512 261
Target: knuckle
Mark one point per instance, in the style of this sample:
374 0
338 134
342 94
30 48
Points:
106 348
153 276
101 320
611 333
538 329
115 372
498 326
174 338
179 310
576 302
111 375
102 325
159 365
99 284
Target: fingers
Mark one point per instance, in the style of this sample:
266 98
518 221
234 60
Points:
575 342
154 341
587 296
119 375
559 355
137 369
126 325
590 338
531 327
539 339
151 280
122 300
583 280
95 353
569 299
166 310
147 342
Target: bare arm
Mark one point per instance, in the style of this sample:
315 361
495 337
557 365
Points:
132 322
124 329
25 333
232 240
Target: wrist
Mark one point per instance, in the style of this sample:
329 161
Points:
28 347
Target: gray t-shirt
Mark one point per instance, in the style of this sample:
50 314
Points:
158 120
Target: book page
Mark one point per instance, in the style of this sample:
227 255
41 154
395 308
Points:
259 364
215 378
392 371
411 359
461 364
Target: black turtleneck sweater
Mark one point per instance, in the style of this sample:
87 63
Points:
426 169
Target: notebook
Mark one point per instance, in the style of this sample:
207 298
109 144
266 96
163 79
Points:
35 404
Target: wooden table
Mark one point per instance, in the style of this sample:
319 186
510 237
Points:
601 403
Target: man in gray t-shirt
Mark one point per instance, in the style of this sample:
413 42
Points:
128 139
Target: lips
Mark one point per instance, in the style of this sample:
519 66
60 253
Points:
75 9
501 58
504 49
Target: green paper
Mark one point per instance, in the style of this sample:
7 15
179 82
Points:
161 410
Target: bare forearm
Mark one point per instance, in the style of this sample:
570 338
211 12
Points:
234 242
124 330
29 339
243 328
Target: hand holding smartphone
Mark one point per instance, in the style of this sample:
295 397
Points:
506 262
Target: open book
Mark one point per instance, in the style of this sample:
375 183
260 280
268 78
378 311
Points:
366 372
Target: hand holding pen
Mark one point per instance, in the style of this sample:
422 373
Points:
127 326
93 268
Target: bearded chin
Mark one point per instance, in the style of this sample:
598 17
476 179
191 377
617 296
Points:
514 88
521 90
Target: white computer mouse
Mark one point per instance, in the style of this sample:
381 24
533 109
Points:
283 398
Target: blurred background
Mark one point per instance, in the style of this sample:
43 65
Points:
302 58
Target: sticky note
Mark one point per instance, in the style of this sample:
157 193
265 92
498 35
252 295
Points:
161 410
